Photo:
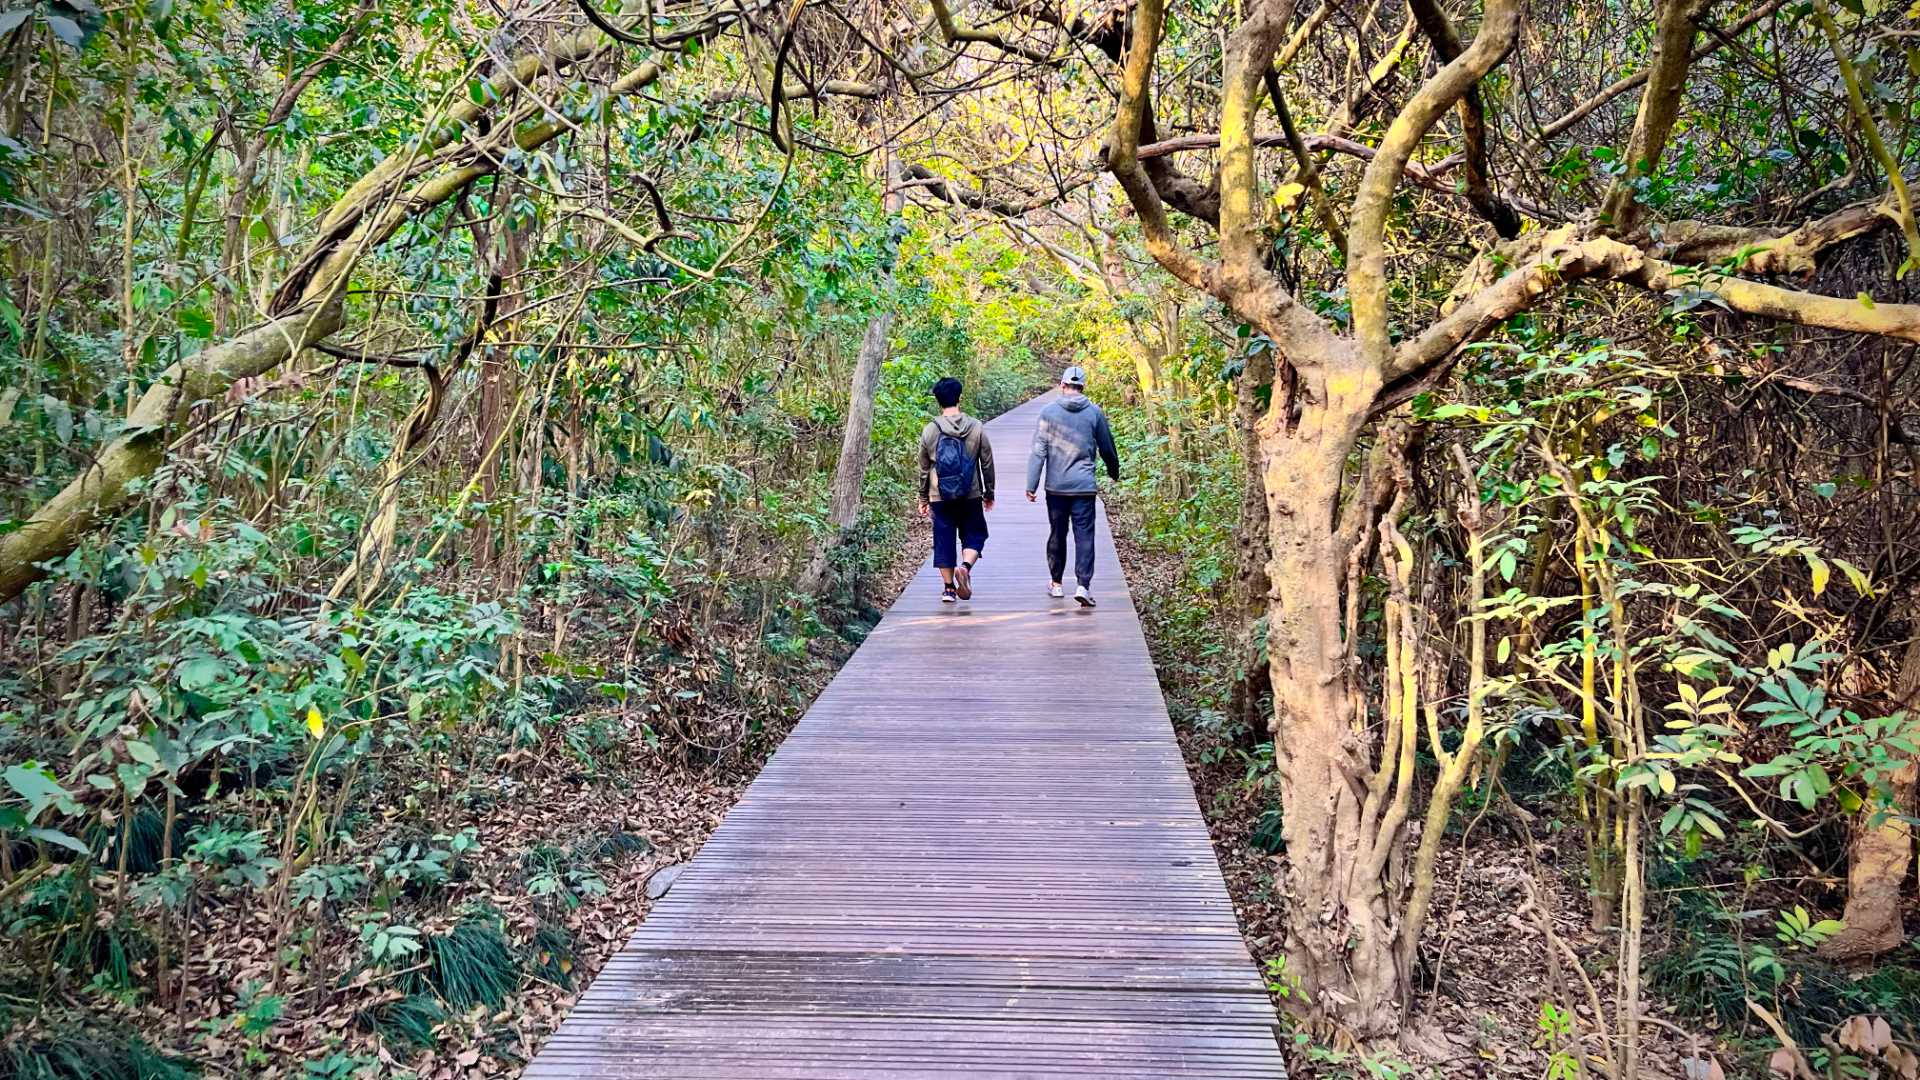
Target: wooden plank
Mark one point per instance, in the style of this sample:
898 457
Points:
977 855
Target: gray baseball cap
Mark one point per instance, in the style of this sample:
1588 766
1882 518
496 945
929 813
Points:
1074 376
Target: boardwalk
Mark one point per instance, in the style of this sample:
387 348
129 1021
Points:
978 855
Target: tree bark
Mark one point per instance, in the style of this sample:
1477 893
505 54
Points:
1881 853
103 486
1340 934
856 439
1252 678
1677 22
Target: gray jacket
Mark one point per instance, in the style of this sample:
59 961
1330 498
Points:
1072 430
968 430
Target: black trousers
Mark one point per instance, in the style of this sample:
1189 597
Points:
1078 511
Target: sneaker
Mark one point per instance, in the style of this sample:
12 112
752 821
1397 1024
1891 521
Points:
1055 591
963 581
949 595
1082 597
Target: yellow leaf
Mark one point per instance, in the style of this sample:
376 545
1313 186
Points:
316 724
1821 572
1288 195
1862 584
1865 301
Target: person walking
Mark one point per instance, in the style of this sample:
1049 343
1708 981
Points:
1072 431
956 489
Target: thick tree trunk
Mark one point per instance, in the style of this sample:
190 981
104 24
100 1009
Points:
1881 855
856 439
1341 941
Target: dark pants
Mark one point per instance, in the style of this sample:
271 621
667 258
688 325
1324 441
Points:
1077 510
964 517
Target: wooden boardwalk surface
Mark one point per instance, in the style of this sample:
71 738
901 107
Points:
977 855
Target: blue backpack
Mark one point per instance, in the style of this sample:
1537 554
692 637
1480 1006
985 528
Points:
954 467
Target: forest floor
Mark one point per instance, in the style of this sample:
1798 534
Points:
639 811
1482 1017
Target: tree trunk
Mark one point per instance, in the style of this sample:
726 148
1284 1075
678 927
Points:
498 374
1251 678
1881 853
99 490
856 439
1341 941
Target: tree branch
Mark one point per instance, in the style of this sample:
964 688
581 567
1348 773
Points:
1367 274
957 194
1562 257
1473 124
1678 21
959 34
1586 108
1123 153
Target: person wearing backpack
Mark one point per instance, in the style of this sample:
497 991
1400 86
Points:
956 489
1071 434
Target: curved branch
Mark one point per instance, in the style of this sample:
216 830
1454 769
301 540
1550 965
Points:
1562 257
1473 124
1367 277
1123 156
957 194
958 34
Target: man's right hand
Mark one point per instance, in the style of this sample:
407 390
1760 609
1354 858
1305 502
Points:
926 510
1031 497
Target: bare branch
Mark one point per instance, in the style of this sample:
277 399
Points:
958 34
1561 257
1586 108
948 191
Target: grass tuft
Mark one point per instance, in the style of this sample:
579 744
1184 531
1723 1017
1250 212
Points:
551 957
407 1022
82 1053
472 964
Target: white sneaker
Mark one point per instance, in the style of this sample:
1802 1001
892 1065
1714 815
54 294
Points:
1082 597
1055 591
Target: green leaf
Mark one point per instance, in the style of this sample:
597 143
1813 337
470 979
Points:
58 839
1671 820
34 783
200 672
